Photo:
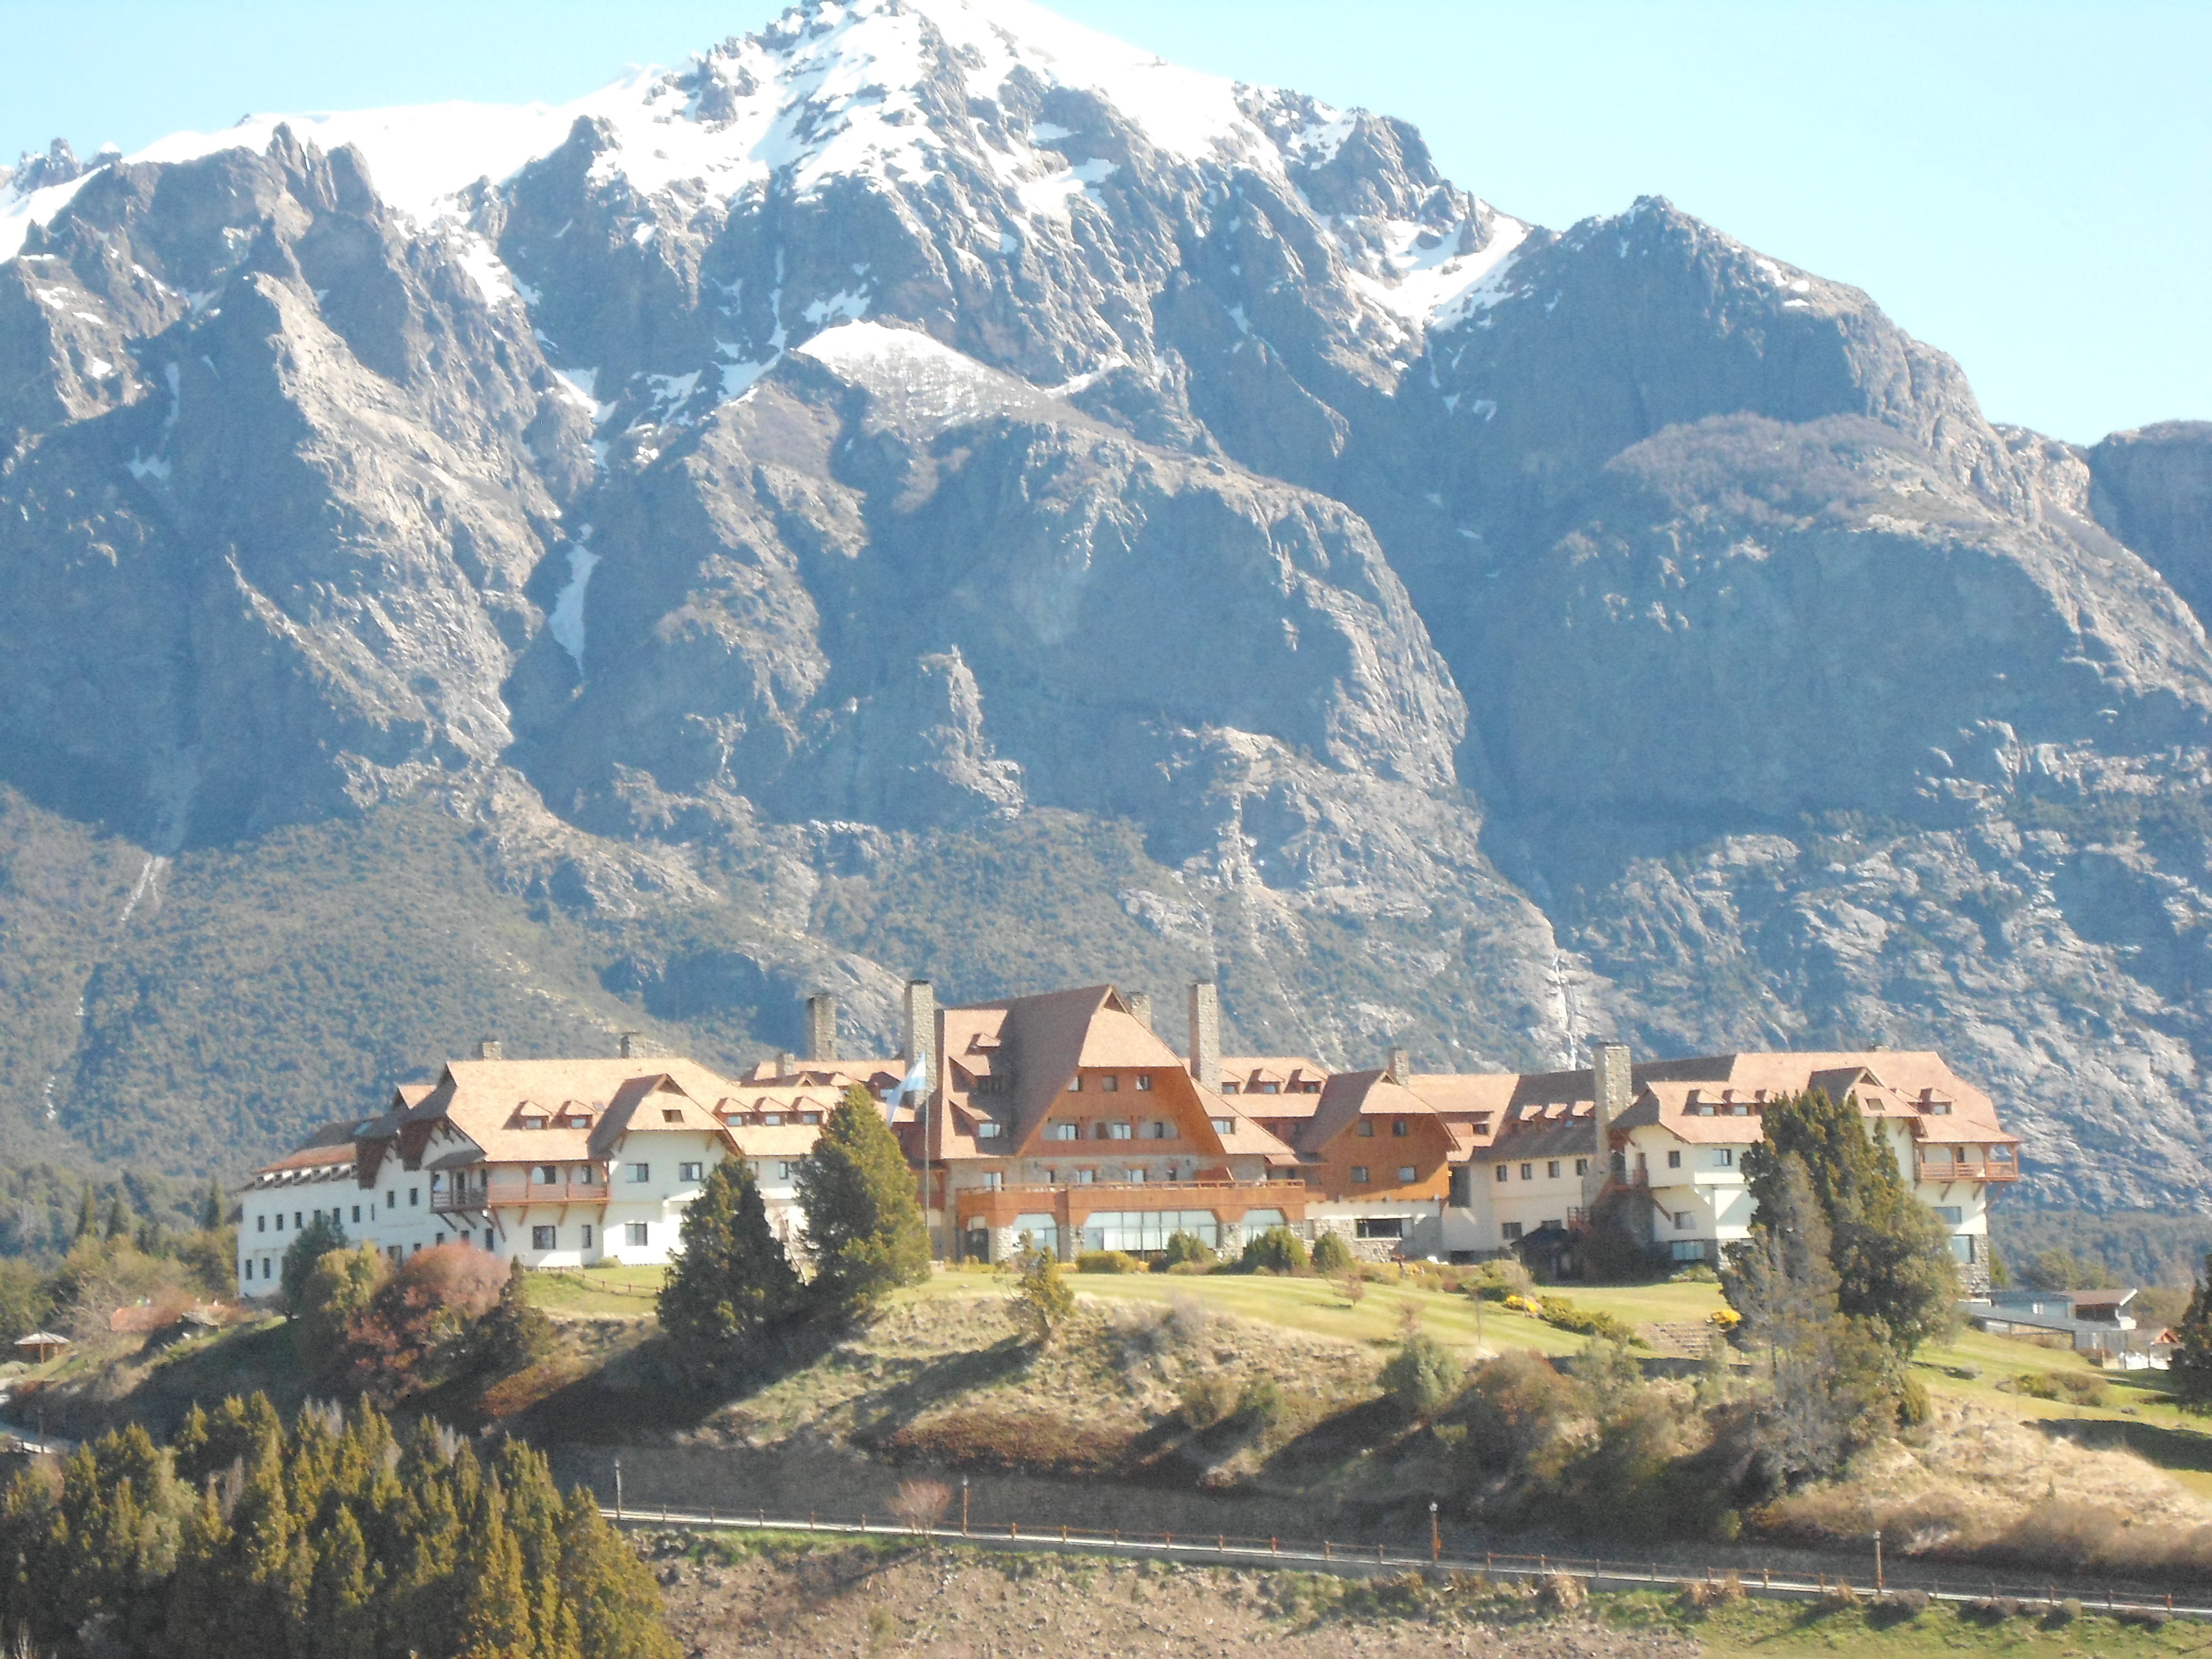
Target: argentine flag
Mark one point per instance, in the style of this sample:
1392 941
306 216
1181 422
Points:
915 1084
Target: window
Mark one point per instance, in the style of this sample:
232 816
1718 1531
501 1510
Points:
993 1180
1407 1172
1400 1129
1949 1214
1162 1130
1503 1174
989 1129
1581 1166
587 1176
1552 1170
541 1238
1227 1087
1527 1172
810 1117
1270 1088
1366 1130
280 1221
414 1196
1223 1126
1379 1226
438 1238
1115 1132
1509 1231
1144 1082
640 1173
588 1236
690 1172
393 1251
1060 1131
1962 1247
356 1213
547 1175
391 1198
671 1115
295 1219
635 1232
1688 1249
1075 1083
1084 1177
1674 1160
1108 1084
1724 1158
261 1222
1134 1177
1681 1221
1359 1175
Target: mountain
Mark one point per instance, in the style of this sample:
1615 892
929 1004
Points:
928 489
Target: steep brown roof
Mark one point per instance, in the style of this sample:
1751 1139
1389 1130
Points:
490 1101
1351 1094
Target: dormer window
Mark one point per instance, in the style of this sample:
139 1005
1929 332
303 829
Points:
1223 1126
1228 1088
810 1117
533 1122
989 1129
671 1115
771 1117
1937 1108
1270 1088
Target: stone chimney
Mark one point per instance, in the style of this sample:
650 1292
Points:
822 1026
1141 1007
921 1028
1205 1033
626 1045
1612 1091
488 1048
1400 1071
785 1065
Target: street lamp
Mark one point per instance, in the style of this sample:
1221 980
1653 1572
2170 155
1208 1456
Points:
1877 1560
1436 1538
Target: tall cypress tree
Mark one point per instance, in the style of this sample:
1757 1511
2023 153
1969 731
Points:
863 1223
1892 1256
733 1283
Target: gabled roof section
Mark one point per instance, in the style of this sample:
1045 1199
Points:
1351 1094
331 1147
654 1105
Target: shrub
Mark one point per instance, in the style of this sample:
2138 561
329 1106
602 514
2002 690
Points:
1277 1250
1108 1261
1562 1314
309 1245
1495 1281
1043 1300
1208 1400
1562 1592
1261 1404
1422 1377
1710 1593
1185 1250
1914 1407
2070 1386
1331 1255
1697 1272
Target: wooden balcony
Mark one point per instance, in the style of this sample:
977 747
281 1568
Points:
505 1191
1969 1169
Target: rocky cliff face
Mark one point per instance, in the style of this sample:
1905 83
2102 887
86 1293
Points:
923 487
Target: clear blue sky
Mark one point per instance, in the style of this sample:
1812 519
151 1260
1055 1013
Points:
2028 185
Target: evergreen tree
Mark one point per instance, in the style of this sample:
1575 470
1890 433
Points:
118 1216
2189 1373
514 1334
212 1207
1043 1300
732 1282
1892 1257
1824 1389
863 1223
309 1245
618 1609
88 1215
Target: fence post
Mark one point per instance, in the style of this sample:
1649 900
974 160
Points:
1324 1551
1766 1578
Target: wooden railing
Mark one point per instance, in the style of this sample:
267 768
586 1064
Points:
507 1191
1975 1168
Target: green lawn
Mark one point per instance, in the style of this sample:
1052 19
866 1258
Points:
1755 1628
626 1291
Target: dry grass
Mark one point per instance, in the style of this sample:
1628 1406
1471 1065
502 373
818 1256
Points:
1980 1484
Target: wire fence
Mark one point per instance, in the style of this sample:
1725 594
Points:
1964 1589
